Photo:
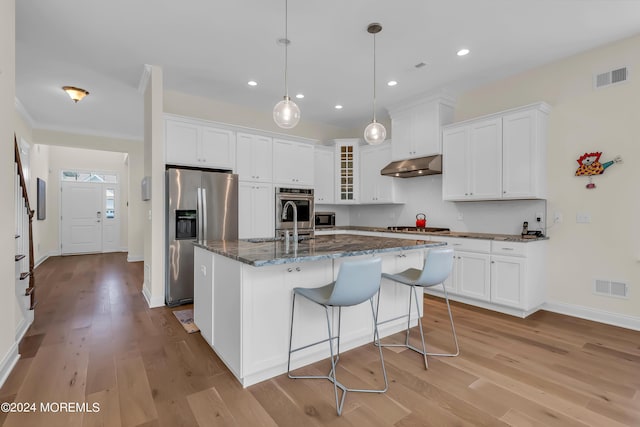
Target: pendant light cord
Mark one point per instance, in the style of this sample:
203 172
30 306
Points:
374 77
286 45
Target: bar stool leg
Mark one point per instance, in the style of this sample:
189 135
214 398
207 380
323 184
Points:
453 329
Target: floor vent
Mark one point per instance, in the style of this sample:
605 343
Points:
619 75
611 289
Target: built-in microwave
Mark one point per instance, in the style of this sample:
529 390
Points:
303 199
325 219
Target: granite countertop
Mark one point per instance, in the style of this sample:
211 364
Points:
461 234
260 253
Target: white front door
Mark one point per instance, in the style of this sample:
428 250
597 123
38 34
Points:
81 217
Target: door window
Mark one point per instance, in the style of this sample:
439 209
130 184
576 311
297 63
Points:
110 203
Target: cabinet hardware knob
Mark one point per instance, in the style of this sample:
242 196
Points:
297 268
493 262
289 269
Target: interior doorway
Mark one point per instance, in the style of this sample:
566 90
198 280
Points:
89 212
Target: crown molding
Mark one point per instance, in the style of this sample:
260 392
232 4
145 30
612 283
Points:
24 113
144 78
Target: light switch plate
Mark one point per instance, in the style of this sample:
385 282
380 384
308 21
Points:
583 218
557 217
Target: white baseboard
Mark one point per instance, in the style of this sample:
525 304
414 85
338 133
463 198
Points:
588 313
22 328
8 362
135 258
152 302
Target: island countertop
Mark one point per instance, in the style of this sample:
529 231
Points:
261 253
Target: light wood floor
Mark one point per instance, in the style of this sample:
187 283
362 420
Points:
94 340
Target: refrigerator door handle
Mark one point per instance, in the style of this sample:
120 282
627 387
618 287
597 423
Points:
199 214
204 214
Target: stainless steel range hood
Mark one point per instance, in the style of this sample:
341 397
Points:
430 165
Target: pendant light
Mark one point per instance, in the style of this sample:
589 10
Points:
374 133
286 113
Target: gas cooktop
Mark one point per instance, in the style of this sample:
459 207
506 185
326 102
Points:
417 229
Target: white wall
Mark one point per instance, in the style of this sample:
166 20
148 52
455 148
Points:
8 343
154 236
424 195
584 120
45 232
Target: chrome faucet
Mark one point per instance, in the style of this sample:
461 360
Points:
295 218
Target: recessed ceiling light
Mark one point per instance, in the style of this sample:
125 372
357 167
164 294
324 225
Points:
463 52
252 83
392 83
338 107
300 96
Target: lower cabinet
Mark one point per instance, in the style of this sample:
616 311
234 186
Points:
256 210
499 275
507 280
472 275
203 291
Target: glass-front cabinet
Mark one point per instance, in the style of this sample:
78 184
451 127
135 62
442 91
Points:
347 173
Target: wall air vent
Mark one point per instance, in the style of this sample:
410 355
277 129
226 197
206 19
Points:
619 75
611 288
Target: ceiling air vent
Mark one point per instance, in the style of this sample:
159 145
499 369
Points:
611 289
619 75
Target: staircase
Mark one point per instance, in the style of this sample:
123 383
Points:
25 280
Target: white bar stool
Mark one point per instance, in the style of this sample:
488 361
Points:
437 267
357 282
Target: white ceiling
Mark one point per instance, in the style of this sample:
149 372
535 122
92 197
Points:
212 48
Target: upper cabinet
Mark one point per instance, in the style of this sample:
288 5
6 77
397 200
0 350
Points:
193 143
254 153
416 127
324 175
376 188
346 170
500 156
293 163
472 160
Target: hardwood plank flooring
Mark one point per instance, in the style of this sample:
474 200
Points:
94 340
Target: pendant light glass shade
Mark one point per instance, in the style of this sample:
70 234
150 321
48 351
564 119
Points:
374 133
286 113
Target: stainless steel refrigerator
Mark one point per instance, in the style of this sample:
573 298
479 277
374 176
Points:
201 205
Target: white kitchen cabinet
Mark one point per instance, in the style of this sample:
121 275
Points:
507 280
203 291
293 163
416 127
256 210
324 175
376 188
346 172
524 153
500 156
267 313
472 156
195 143
472 275
254 154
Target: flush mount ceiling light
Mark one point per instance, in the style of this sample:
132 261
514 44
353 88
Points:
252 83
286 113
463 52
75 93
374 133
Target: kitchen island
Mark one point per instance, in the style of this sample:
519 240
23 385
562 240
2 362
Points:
243 291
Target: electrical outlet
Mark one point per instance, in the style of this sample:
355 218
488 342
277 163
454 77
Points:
539 217
460 216
557 217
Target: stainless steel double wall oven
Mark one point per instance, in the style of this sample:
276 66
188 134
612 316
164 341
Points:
303 199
